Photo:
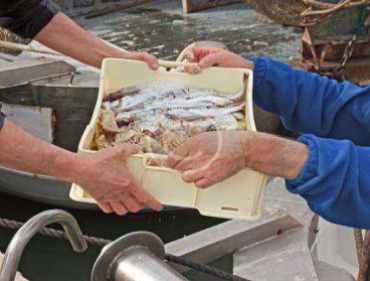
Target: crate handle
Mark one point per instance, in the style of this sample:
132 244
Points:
149 157
175 64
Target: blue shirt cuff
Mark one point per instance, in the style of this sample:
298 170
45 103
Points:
259 71
310 169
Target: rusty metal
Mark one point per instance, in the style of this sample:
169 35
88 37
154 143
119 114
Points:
117 8
190 7
363 254
341 59
303 12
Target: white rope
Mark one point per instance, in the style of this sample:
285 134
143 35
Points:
22 47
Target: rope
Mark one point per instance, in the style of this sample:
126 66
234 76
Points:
328 8
204 268
323 10
26 48
101 242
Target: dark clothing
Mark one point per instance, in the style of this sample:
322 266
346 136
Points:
26 18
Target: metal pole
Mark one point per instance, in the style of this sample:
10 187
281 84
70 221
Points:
29 229
138 264
135 257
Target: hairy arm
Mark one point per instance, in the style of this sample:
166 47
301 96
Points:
65 36
213 157
331 175
274 156
25 152
103 174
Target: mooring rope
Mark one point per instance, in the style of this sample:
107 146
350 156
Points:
101 242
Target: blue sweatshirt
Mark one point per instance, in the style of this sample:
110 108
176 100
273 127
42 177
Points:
335 121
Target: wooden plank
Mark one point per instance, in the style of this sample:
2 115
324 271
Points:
117 8
69 127
226 238
26 71
52 96
187 6
8 57
210 5
66 97
35 120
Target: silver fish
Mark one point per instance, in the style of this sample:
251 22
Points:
126 91
179 103
182 114
194 114
217 100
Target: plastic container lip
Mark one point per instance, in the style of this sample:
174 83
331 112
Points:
215 78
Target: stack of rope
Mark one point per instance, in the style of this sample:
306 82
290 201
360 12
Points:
302 12
7 36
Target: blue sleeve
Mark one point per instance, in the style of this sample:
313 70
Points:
335 181
309 103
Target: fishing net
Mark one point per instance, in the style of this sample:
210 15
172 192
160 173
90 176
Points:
7 36
302 12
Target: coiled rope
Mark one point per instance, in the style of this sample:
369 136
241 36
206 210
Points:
101 242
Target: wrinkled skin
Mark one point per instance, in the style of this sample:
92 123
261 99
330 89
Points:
215 156
209 158
207 57
111 184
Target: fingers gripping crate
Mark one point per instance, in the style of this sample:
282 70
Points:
237 198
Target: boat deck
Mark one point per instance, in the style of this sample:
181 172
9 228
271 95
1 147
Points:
163 30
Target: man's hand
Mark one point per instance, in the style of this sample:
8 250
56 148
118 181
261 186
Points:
209 158
215 156
105 176
151 60
207 57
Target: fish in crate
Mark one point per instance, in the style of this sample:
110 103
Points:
160 116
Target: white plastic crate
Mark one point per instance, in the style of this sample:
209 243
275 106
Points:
237 198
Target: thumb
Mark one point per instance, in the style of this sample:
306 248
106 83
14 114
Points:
190 54
126 150
151 60
211 60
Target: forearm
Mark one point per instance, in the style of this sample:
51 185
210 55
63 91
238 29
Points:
308 103
22 151
274 156
65 36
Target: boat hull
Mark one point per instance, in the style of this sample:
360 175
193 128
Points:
39 188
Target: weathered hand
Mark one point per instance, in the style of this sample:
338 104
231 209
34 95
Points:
209 158
207 57
151 60
215 156
106 178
